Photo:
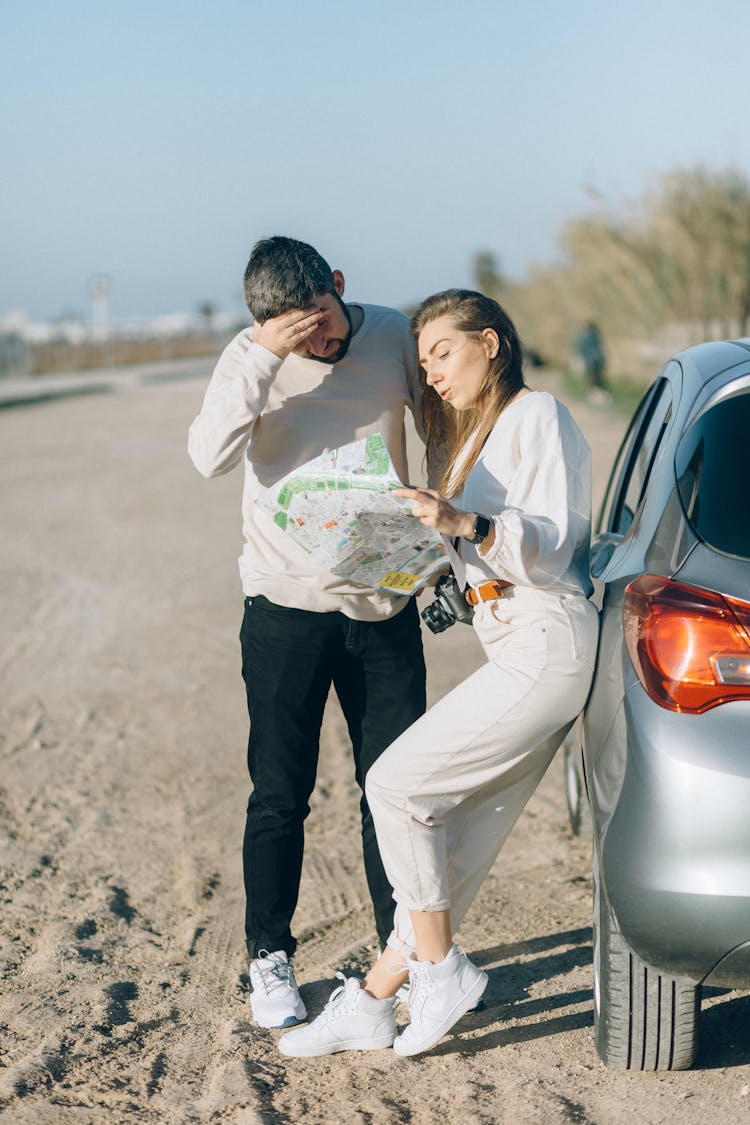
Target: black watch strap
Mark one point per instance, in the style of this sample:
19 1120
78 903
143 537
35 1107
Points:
482 525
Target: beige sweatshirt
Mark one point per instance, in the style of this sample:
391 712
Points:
275 415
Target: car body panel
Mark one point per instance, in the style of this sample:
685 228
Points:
676 847
733 971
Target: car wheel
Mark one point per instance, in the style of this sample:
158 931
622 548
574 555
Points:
576 797
643 1020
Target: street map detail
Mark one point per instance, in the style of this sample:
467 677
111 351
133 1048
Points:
339 507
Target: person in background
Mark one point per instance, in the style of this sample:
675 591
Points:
311 374
590 349
515 511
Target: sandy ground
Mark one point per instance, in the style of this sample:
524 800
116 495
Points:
122 795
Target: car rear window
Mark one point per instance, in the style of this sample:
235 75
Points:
712 476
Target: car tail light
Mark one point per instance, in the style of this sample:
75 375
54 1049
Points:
690 647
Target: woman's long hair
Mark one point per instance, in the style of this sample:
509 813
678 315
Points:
448 430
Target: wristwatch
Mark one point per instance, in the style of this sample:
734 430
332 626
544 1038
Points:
482 527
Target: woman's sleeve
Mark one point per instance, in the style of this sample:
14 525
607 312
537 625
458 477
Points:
547 511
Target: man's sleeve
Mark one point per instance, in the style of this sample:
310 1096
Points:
234 400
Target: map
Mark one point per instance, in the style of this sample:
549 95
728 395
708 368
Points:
339 508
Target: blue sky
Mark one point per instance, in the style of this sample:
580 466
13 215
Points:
156 142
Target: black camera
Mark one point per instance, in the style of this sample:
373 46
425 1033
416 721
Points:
449 606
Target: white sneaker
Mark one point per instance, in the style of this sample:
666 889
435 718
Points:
438 996
403 996
352 1020
275 999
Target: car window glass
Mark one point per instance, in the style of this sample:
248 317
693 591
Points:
645 455
604 522
634 462
711 467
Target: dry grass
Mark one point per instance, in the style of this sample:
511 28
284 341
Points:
62 356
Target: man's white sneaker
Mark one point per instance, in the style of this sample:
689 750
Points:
275 999
438 996
352 1020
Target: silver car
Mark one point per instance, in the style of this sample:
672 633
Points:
663 748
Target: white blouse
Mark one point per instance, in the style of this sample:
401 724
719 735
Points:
533 479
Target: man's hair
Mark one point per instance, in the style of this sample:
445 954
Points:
284 274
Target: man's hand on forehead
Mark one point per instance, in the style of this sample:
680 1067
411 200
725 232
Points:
284 334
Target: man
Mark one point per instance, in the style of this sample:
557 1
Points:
591 350
312 374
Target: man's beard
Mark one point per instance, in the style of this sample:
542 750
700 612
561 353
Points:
343 347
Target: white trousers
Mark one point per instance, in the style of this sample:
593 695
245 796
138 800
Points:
445 795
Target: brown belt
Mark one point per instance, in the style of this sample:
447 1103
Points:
487 591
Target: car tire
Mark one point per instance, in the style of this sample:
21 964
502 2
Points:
643 1019
579 813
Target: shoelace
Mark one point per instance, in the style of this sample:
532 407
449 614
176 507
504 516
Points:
421 987
397 969
274 973
342 999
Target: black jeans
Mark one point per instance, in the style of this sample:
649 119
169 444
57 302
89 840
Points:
290 658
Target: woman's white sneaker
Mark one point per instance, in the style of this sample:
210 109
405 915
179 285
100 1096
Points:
275 999
438 996
352 1020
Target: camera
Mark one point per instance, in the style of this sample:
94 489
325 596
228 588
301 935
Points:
449 606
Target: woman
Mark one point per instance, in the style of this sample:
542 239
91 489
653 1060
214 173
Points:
515 511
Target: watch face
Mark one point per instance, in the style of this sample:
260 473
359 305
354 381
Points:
481 529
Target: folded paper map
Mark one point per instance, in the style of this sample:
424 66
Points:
340 508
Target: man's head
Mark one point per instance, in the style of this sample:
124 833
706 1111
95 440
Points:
284 274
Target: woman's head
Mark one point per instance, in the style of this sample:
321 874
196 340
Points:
469 349
471 362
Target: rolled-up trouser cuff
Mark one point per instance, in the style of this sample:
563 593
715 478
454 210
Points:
395 942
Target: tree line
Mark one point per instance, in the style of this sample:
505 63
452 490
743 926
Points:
672 270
